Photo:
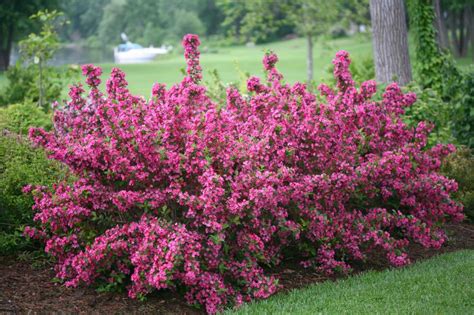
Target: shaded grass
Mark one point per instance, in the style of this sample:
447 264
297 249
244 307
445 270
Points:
441 285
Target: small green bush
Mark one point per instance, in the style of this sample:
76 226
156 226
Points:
460 167
362 69
430 107
23 87
20 164
18 118
464 109
338 31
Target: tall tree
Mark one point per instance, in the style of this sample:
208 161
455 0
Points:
265 19
14 23
440 24
261 20
430 62
41 46
234 14
460 24
311 18
85 17
390 42
151 21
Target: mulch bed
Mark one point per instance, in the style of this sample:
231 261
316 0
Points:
25 289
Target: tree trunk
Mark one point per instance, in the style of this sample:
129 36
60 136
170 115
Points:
4 59
454 36
467 26
390 43
442 32
309 57
462 35
470 25
6 46
41 85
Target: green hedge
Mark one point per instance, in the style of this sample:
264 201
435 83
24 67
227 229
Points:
20 164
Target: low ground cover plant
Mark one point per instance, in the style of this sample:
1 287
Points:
459 166
179 192
18 118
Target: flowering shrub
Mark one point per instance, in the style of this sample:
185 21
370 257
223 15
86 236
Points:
180 192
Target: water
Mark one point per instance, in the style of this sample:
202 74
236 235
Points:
73 54
82 55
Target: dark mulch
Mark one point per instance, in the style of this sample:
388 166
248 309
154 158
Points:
25 289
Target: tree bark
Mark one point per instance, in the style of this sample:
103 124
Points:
309 57
470 26
4 59
442 32
390 43
462 35
41 85
467 26
453 29
6 46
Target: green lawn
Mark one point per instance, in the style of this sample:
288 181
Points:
230 60
442 285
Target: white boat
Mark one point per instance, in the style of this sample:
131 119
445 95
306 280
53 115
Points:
135 53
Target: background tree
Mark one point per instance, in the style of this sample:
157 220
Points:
428 56
234 12
211 16
154 21
390 43
311 18
113 22
260 20
459 21
40 47
354 12
85 17
440 78
454 24
14 23
442 33
32 80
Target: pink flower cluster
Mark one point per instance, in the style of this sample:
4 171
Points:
179 191
191 53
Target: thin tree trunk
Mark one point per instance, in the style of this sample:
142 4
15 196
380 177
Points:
309 57
442 33
462 35
467 29
454 37
4 59
470 25
2 50
390 42
6 46
41 85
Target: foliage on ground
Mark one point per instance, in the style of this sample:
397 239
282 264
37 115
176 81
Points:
460 167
